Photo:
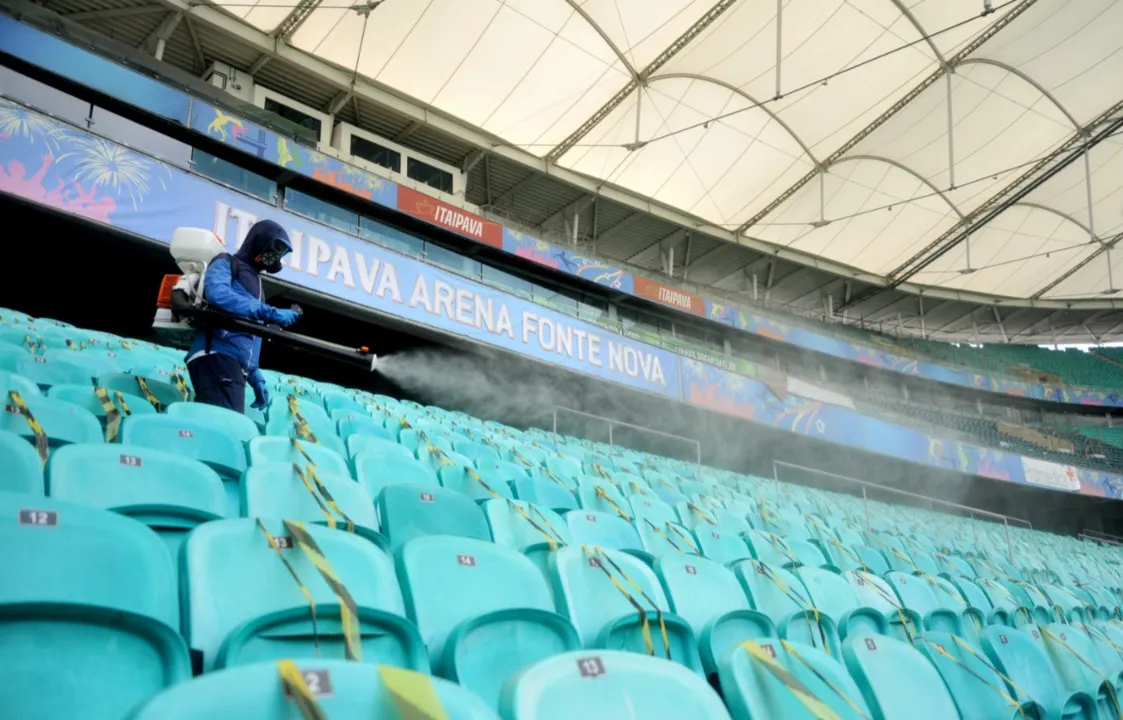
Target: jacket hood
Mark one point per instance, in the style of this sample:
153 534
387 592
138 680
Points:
260 237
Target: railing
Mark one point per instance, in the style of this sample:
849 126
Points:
620 423
971 511
1101 537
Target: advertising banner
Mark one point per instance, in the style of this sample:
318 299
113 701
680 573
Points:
60 166
670 296
449 217
1050 475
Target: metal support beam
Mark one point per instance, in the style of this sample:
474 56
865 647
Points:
258 64
638 77
471 160
686 255
408 132
574 208
622 225
112 13
1001 327
195 44
338 102
660 246
157 40
524 182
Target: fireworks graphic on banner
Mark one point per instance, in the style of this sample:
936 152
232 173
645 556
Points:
20 123
106 165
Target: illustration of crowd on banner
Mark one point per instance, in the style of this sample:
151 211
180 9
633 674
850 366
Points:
82 66
71 170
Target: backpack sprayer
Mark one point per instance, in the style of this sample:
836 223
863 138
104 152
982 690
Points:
182 311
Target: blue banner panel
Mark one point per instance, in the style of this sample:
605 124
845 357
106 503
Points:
562 260
70 170
93 71
722 391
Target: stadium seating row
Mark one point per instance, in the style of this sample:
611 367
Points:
347 554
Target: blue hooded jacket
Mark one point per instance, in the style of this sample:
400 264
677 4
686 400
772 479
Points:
241 296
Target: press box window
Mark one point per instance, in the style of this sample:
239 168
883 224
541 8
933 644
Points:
293 115
431 176
375 153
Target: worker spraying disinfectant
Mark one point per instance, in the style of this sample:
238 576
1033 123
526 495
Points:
220 361
216 307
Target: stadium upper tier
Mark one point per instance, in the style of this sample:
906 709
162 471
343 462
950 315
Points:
1030 373
351 555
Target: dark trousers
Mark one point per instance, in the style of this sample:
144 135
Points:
218 380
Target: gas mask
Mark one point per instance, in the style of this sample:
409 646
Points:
269 259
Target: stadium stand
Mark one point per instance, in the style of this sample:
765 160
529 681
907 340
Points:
576 579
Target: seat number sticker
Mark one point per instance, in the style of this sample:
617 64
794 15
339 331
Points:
131 460
1002 639
427 497
691 570
591 518
43 518
590 667
186 434
318 682
282 542
870 644
768 648
466 560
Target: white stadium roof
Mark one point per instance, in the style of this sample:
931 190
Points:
937 167
718 109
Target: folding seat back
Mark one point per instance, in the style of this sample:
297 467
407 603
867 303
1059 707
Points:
781 596
526 455
375 471
666 539
1032 677
624 685
244 604
915 593
12 381
527 528
88 611
564 466
545 491
896 680
373 445
232 423
603 496
834 597
280 491
974 684
335 689
725 548
771 549
168 493
23 469
708 596
362 425
334 401
469 482
873 560
876 593
653 509
160 393
1079 665
291 450
409 511
476 451
195 439
1005 607
1073 608
602 529
499 594
60 422
756 682
103 404
286 408
955 566
502 470
44 370
601 591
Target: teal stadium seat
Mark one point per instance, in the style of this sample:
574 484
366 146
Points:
88 612
84 396
167 492
606 684
13 381
341 690
409 511
501 621
587 589
606 530
195 439
1032 677
781 596
242 604
532 530
362 425
896 680
472 483
707 596
755 681
162 390
372 445
876 593
44 371
238 426
62 422
831 595
722 547
277 491
914 593
975 686
375 472
289 450
22 470
545 491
